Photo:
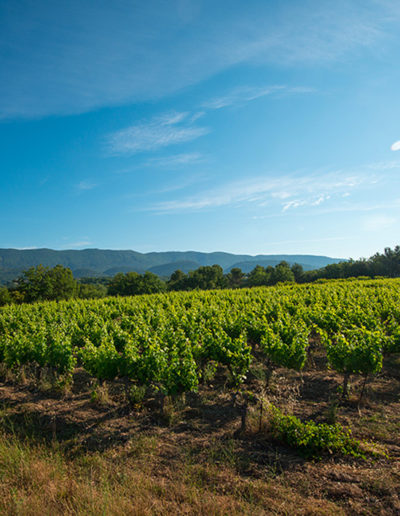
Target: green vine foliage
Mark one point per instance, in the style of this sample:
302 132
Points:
169 340
311 439
285 343
103 361
358 351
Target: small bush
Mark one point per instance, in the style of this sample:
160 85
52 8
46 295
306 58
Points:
136 394
312 439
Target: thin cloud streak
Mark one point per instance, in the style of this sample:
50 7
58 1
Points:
336 208
249 93
384 165
177 160
60 59
83 243
289 192
361 207
240 95
258 190
85 186
178 127
159 132
182 183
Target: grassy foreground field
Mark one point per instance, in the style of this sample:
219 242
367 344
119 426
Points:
66 454
90 446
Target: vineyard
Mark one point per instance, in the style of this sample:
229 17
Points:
250 348
169 341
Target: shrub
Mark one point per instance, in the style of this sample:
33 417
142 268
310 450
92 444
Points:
312 439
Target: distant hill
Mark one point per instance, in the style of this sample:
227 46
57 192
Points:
168 268
104 262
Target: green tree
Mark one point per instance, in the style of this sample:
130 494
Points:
43 283
235 277
207 277
298 271
390 261
177 281
151 284
258 277
5 296
61 283
91 290
119 284
132 284
282 273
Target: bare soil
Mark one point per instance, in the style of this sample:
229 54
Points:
199 441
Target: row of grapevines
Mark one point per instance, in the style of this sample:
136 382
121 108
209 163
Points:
168 340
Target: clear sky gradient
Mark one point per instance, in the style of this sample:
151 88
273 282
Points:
247 127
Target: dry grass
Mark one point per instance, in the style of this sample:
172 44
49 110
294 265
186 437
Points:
63 452
38 480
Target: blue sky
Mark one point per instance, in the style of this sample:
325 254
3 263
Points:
248 127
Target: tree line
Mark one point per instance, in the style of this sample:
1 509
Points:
57 283
44 283
386 264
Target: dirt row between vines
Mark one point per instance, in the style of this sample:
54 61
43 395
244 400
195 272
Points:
88 450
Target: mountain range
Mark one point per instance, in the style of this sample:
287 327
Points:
105 262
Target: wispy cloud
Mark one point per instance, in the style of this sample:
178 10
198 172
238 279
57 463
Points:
159 132
198 114
179 127
395 146
245 94
177 160
312 201
240 95
293 204
287 192
82 243
83 186
320 200
385 165
59 58
182 183
360 207
291 191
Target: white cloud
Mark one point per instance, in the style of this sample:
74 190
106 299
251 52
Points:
384 165
177 160
197 115
156 133
239 95
281 195
313 201
286 192
395 146
291 191
320 200
85 185
83 243
182 183
250 93
76 56
293 204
